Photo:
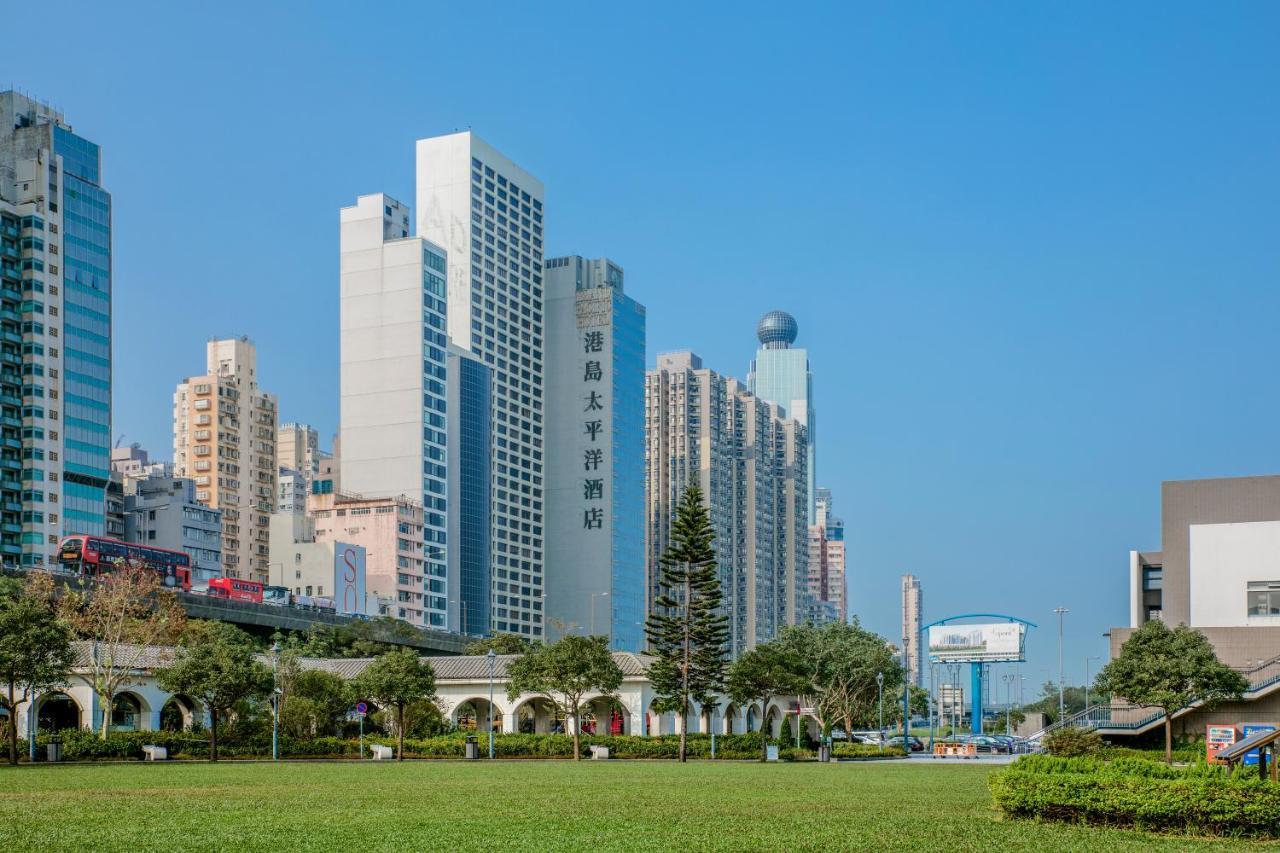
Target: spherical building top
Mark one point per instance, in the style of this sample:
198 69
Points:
777 330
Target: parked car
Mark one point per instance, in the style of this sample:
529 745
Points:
896 743
987 743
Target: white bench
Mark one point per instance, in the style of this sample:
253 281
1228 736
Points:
155 753
598 752
381 753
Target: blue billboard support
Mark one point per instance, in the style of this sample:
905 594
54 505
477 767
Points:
975 718
978 656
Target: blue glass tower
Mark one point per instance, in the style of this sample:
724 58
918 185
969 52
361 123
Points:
86 281
780 374
470 415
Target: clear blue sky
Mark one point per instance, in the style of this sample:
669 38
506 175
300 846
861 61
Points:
1032 247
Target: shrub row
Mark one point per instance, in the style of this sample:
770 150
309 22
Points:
865 752
1138 793
84 745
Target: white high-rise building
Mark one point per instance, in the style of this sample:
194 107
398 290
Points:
780 374
393 397
912 612
487 213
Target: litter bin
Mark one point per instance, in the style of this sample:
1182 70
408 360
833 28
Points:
53 749
824 752
473 748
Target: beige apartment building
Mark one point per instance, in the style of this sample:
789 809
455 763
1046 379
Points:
224 438
826 601
390 531
751 463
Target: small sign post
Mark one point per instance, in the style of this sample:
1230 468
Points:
361 710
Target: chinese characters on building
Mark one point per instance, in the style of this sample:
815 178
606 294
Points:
593 428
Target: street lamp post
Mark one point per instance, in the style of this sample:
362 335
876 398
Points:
1061 611
880 699
594 596
1086 680
493 662
906 701
275 701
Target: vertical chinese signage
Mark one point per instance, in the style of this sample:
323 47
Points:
596 453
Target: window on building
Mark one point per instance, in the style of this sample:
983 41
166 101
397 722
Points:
1264 598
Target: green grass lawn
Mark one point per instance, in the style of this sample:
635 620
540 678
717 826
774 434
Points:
529 805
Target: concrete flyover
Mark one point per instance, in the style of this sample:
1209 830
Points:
266 619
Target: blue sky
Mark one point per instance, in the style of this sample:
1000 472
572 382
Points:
1031 247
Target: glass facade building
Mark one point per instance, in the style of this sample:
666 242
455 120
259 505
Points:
780 374
86 278
470 407
627 603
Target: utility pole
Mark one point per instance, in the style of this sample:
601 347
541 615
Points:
1062 705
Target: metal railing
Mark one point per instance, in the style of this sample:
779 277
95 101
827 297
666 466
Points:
1133 717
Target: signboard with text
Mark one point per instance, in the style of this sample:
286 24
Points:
348 578
1000 641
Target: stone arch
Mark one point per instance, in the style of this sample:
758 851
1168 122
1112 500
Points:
180 713
659 722
729 719
475 714
57 711
772 726
130 712
538 715
609 716
753 718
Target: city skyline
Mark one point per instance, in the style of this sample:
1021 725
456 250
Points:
990 259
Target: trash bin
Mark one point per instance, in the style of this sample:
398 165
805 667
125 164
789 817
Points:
53 749
473 748
824 752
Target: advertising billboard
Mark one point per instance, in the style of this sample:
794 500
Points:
1000 641
1246 729
348 578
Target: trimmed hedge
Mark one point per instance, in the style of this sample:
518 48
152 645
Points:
865 752
84 745
1200 799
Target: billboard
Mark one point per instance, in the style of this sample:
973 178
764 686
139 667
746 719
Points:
1000 641
348 578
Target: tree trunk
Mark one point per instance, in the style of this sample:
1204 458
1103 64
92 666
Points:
1168 739
213 734
764 738
577 739
13 725
400 732
106 698
684 724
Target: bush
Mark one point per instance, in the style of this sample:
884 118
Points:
1139 793
864 752
1070 741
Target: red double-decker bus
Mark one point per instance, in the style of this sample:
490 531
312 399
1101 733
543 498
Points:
90 556
234 589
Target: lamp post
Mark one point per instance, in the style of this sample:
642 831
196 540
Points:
880 699
1086 680
493 662
906 701
594 596
275 701
1061 611
1008 702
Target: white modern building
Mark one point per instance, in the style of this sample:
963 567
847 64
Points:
393 372
912 614
487 213
314 568
595 452
780 374
750 461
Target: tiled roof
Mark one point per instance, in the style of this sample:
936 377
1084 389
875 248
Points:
146 657
461 668
465 667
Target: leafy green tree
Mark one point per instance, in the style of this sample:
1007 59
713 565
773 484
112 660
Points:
501 644
318 703
786 734
766 671
215 664
565 672
1169 669
35 648
686 630
394 681
841 661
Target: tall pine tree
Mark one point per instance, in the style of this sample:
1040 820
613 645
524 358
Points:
687 632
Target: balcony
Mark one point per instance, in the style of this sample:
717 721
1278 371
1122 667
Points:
201 405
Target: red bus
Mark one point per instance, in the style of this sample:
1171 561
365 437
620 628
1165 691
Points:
90 556
233 589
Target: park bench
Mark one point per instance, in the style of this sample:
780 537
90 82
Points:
151 752
598 751
381 753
